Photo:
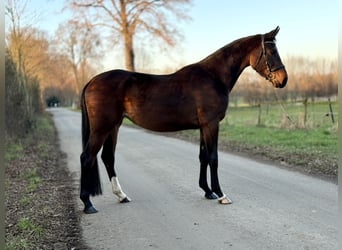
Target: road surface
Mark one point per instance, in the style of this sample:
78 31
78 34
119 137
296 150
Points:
273 208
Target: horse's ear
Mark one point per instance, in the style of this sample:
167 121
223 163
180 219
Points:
270 36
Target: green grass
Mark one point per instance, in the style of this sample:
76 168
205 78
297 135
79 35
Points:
317 135
17 243
33 180
26 227
13 151
283 134
287 116
44 125
24 201
321 140
26 224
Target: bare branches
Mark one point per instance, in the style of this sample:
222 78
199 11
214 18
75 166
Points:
126 18
80 43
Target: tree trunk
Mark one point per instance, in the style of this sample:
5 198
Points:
129 52
127 33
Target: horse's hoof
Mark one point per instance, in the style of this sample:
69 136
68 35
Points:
211 196
90 210
125 200
225 200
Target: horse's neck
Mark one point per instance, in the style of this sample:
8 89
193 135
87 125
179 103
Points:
227 63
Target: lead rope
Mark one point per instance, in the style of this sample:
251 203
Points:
283 109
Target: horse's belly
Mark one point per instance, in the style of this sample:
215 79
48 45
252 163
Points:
160 118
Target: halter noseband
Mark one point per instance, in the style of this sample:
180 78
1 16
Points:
263 54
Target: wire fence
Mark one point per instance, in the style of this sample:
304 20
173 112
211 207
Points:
294 115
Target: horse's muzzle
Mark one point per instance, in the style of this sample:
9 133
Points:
279 78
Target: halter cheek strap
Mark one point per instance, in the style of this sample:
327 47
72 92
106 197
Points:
263 54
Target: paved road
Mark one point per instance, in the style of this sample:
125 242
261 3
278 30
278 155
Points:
273 208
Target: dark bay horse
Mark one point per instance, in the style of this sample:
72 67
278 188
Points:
194 97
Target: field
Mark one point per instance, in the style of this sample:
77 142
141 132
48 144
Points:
283 127
278 133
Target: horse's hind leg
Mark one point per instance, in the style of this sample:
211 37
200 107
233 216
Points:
90 179
108 158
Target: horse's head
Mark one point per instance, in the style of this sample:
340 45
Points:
266 60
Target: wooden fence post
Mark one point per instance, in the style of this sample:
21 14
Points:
305 102
331 111
259 115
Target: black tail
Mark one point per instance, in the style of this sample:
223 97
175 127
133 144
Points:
90 178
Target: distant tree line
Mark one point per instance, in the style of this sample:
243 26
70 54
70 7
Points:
308 80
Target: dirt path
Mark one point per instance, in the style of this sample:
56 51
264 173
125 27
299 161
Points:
273 208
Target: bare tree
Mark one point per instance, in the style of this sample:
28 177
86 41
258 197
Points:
80 44
61 82
27 48
15 36
124 18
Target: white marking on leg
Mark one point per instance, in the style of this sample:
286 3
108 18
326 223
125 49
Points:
116 187
224 200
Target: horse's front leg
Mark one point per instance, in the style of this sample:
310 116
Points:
210 138
204 160
215 185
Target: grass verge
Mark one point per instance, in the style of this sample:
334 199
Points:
40 208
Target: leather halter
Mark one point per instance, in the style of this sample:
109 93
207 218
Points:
263 54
